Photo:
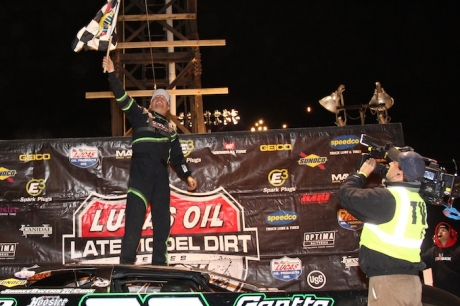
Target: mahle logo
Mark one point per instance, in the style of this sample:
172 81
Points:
124 154
35 187
278 177
187 146
338 178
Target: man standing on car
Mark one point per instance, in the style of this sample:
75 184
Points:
154 145
394 227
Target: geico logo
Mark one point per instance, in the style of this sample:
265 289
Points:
29 157
348 141
286 217
276 147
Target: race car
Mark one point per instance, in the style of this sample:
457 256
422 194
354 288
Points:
142 285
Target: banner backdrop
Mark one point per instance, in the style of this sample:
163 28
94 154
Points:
265 210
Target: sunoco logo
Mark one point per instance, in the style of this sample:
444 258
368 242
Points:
6 174
344 142
187 146
312 160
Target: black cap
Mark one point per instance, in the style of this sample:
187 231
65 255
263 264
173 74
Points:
411 163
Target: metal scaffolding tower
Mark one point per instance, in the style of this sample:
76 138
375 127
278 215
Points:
158 45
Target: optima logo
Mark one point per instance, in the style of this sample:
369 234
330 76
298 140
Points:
281 217
344 142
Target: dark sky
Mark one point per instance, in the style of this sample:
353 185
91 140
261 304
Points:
279 58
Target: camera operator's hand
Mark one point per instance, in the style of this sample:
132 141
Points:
368 166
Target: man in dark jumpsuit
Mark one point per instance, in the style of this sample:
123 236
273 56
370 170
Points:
154 144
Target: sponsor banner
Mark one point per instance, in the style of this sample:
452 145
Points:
265 202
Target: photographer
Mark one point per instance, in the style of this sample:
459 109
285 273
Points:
394 219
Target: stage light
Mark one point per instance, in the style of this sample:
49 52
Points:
334 103
181 118
259 126
380 103
207 117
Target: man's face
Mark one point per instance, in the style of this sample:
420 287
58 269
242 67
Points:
443 235
159 104
393 170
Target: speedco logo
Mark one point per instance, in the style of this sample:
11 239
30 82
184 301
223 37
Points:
344 142
312 160
281 217
260 299
31 157
276 147
187 146
278 177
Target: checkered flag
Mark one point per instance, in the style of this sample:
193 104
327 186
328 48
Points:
100 32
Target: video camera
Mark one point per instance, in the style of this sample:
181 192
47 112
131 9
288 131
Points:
437 186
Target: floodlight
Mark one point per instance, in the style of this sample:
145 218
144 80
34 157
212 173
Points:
380 103
334 104
380 99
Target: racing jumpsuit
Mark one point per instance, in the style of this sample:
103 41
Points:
154 145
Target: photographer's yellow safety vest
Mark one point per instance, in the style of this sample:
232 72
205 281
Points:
401 237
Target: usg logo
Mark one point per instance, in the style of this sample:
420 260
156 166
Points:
316 279
38 156
276 147
281 217
344 142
